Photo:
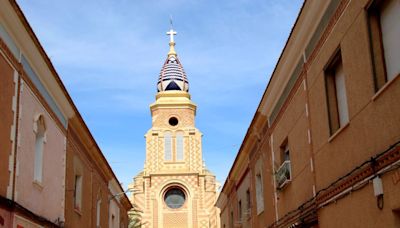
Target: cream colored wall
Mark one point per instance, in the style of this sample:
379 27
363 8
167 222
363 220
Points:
373 127
188 174
293 127
155 162
160 118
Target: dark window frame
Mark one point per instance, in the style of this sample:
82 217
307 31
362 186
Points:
332 105
376 44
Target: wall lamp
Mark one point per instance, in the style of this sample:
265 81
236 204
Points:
122 193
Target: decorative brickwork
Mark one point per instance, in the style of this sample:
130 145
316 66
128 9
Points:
189 174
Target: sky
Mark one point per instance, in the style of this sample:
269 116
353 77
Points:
109 54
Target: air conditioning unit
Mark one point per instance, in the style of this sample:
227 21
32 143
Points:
283 175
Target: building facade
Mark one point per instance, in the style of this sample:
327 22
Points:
323 148
52 173
175 189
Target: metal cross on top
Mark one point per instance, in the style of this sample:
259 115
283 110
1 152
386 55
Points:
171 32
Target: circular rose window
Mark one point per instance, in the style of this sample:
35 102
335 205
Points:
174 198
173 121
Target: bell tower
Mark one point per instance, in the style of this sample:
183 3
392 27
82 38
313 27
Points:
175 189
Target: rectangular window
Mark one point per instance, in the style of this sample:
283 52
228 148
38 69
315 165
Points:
179 146
78 192
384 27
113 214
39 129
248 199
336 94
397 217
231 220
390 27
285 152
98 213
168 146
259 193
240 209
38 170
283 173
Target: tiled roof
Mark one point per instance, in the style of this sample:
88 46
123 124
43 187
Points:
172 76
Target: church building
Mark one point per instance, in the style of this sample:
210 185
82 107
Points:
175 189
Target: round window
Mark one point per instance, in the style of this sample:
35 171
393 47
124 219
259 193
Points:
173 121
174 198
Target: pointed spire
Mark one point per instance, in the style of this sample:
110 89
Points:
172 76
171 34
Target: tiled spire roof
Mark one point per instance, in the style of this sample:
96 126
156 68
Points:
172 75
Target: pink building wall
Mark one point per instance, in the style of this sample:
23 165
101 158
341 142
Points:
47 198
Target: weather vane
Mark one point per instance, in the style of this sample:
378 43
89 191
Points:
170 22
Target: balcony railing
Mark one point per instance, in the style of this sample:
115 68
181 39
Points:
283 175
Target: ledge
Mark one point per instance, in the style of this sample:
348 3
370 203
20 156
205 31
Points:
79 212
338 132
384 87
37 184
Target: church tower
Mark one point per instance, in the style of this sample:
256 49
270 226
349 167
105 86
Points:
175 189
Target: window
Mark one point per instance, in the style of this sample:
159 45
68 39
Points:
179 146
78 192
283 174
336 94
285 153
397 217
98 212
248 199
173 121
39 129
240 209
231 220
174 198
384 35
168 146
259 193
113 214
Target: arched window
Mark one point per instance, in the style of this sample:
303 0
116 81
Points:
168 146
39 128
179 146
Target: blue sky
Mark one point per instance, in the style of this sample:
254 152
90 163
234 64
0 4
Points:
109 53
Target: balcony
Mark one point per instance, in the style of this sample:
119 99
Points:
283 175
